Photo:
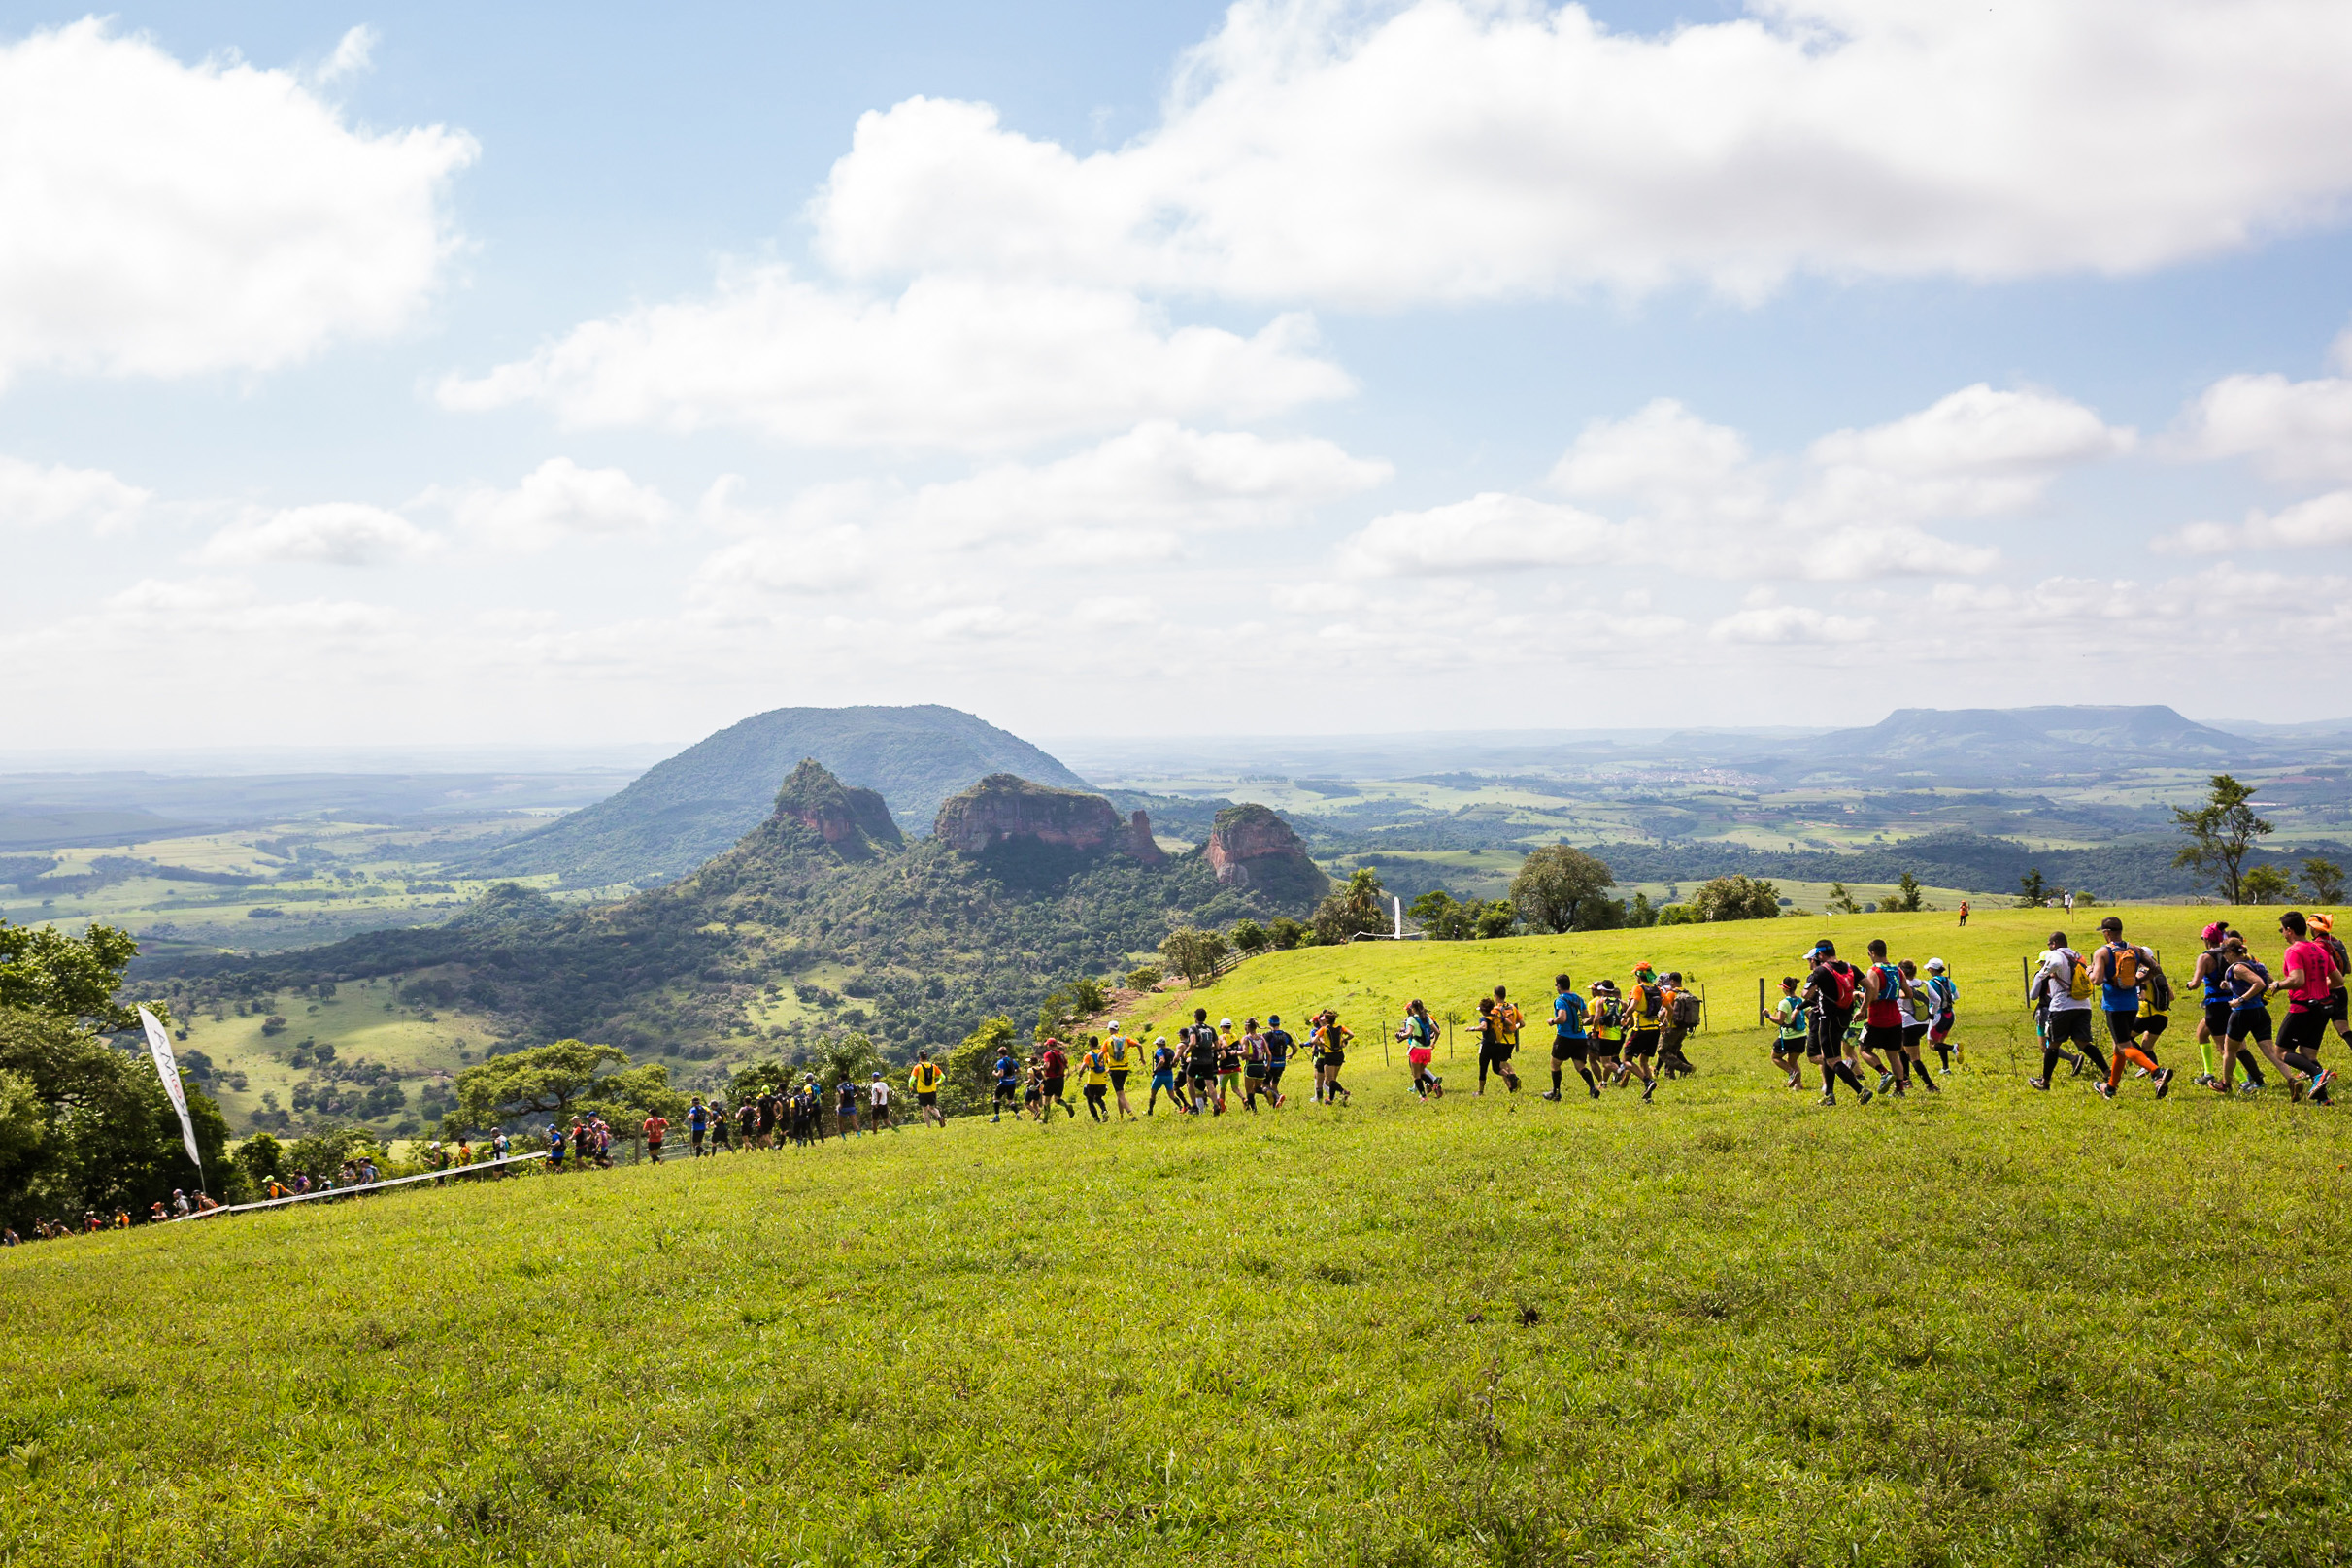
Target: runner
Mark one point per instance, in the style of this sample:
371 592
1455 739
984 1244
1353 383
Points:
1200 1068
2307 975
655 1126
1493 1045
1008 1085
1095 1078
1963 911
877 1097
1278 1058
1254 1067
1606 1031
2323 929
1032 1092
1125 1056
1228 1063
1568 1039
2249 987
1885 1015
2214 999
1419 1032
1943 1004
556 1143
1788 1016
747 1124
1333 1037
925 1081
2120 971
697 1121
1054 1064
2063 985
1508 1021
1831 985
1163 1076
1683 1010
1916 1009
845 1106
1646 1004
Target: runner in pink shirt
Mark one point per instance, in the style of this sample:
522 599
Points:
2308 978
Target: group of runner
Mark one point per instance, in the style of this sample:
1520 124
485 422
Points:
2128 985
1204 1072
1884 1014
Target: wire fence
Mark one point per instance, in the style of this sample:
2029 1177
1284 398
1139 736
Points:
461 1172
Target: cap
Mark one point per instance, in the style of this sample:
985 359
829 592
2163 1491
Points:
1113 1025
2214 932
1162 1041
2322 922
1225 1023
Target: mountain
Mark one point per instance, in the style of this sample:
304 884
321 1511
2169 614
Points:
683 812
822 917
1979 744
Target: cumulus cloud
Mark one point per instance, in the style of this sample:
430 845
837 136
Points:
2324 521
153 609
1976 452
1487 533
2290 430
954 362
1450 149
560 500
165 219
32 496
1790 623
336 533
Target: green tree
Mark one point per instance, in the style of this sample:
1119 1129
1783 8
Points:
261 1158
1143 977
2221 833
1248 936
1192 954
1905 899
625 1100
1493 918
1441 917
1358 906
2032 891
971 1067
1736 898
2266 885
545 1080
1643 912
1553 886
1840 901
1677 914
42 970
84 1125
2326 880
1286 932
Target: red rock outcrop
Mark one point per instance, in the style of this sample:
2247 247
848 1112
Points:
1138 842
850 821
1250 846
1001 807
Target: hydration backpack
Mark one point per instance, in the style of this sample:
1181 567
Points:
1687 1010
1841 977
2078 985
2160 990
2125 964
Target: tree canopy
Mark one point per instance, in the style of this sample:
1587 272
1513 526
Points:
2221 833
554 1080
1557 888
1736 898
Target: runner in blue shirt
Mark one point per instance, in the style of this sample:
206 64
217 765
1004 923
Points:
1570 1043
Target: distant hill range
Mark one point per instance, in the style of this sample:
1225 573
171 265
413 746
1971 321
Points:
1972 745
681 812
1022 886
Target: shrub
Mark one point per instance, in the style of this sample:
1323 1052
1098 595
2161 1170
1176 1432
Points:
1735 898
1248 936
1143 977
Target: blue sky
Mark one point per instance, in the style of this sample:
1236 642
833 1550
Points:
422 375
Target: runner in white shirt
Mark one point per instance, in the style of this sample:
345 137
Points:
880 1092
2063 969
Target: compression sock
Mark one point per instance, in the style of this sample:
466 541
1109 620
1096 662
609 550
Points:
2141 1058
1845 1070
2204 1054
2092 1051
2049 1063
1945 1053
2252 1063
1587 1076
1556 1079
2300 1062
1921 1068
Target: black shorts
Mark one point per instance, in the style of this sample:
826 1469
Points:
2250 1023
1119 1079
1882 1037
1605 1049
1828 1031
2340 1005
2217 1020
1053 1089
1569 1050
2303 1031
1497 1051
1334 1059
927 1101
1095 1091
1912 1035
2155 1023
1642 1043
1007 1091
2072 1026
2122 1026
1788 1045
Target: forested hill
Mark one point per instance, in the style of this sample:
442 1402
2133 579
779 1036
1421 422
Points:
913 941
682 812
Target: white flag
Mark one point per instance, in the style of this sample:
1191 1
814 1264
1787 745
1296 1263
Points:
160 1044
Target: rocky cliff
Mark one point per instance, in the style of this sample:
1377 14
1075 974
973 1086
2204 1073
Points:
1250 846
1001 808
853 822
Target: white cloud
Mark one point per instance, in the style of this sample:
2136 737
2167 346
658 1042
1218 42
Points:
1976 452
165 219
1790 623
2321 523
1490 532
1661 453
560 500
336 533
34 497
353 53
953 362
1318 149
212 608
2291 430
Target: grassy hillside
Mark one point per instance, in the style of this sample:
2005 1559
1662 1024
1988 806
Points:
1729 1329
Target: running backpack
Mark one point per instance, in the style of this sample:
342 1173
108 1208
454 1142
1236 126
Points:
2126 965
1653 1004
1841 978
1687 1010
2079 986
2160 990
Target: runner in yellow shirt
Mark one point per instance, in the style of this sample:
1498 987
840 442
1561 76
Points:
1125 1056
925 1081
1094 1077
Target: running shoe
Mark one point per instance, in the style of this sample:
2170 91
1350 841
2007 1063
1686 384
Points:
1884 1081
2102 1092
1593 1094
1648 1089
2163 1082
2078 1064
2326 1076
1828 1099
1930 1086
1550 1094
1868 1097
2296 1089
2041 1083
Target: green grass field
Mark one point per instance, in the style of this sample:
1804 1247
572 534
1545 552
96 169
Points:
1730 1327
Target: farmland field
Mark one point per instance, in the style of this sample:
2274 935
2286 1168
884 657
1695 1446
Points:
1729 1327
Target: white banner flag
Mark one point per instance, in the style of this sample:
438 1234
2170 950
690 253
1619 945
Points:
160 1044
